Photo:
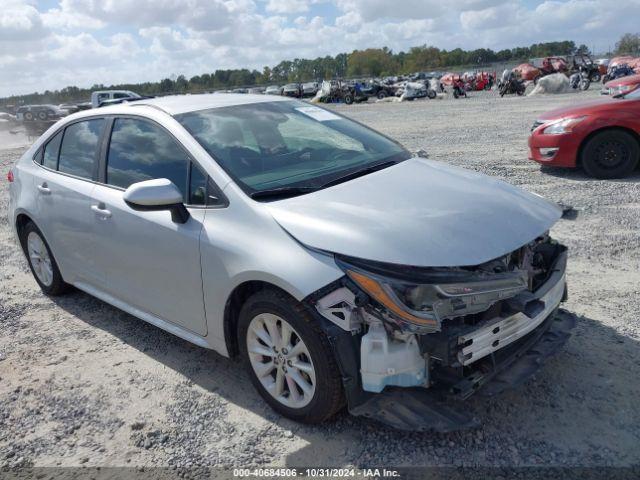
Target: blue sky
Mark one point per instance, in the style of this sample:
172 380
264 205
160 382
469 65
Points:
50 44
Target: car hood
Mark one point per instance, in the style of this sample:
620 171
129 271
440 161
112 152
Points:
618 82
419 213
586 108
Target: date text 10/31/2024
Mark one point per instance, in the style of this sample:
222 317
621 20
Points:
316 472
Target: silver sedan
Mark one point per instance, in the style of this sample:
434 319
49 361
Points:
340 267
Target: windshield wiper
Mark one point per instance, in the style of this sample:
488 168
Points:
359 173
281 192
284 192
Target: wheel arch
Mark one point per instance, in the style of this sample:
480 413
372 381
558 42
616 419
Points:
21 221
234 303
592 134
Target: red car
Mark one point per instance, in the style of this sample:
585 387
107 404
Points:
621 85
602 137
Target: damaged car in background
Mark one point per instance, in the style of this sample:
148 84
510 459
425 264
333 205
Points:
343 269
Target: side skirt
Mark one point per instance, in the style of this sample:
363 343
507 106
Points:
147 317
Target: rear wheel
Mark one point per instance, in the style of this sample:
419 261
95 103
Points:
289 358
382 95
28 116
610 154
41 262
431 94
348 99
42 115
595 77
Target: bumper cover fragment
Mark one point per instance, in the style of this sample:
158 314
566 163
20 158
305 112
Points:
443 411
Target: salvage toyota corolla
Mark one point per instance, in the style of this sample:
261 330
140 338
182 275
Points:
342 269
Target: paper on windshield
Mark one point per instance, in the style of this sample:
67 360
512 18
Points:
318 114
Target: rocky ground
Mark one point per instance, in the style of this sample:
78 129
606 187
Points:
82 383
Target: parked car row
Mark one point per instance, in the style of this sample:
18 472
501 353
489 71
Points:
295 90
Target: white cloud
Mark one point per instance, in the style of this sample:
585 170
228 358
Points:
20 21
287 7
82 42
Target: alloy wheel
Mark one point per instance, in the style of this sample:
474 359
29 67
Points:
281 360
40 259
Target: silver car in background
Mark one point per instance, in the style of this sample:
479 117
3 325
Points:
342 269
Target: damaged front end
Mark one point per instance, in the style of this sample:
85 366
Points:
442 333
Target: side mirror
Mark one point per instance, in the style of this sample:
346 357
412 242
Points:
155 195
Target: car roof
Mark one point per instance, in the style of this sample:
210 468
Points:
177 104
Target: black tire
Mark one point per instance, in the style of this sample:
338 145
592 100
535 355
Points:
328 398
382 95
535 80
584 84
455 93
431 94
595 77
348 99
58 286
610 154
28 116
42 115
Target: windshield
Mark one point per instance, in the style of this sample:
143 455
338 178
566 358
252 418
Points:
287 145
632 94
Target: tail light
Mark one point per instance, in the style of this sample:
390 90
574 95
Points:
10 176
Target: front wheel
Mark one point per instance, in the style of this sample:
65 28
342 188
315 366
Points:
381 95
610 154
595 77
431 94
348 99
289 358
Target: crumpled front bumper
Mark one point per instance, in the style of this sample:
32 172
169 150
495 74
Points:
419 409
488 358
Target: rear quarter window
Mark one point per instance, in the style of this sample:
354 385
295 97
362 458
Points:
51 150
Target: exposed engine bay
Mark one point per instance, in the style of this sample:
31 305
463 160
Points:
446 328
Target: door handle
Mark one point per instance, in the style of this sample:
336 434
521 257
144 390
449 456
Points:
101 210
44 189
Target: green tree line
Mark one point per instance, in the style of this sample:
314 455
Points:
369 62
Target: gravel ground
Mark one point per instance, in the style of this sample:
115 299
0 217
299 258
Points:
82 383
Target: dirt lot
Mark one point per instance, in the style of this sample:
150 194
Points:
84 383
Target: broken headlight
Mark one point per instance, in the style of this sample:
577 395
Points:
426 305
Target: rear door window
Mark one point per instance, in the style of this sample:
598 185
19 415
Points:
79 149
